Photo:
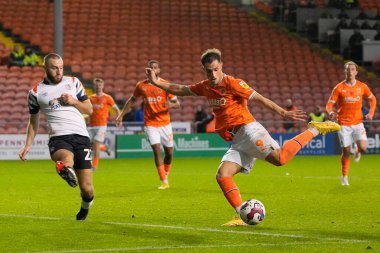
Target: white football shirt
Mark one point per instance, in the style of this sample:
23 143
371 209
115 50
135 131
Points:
61 119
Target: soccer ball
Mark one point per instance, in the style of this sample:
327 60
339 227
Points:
252 212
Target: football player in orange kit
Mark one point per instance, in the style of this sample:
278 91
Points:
348 98
98 119
229 96
156 121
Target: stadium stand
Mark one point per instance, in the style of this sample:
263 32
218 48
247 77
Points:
369 4
115 39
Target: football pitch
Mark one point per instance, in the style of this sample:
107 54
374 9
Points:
307 208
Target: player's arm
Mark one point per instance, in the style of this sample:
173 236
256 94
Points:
330 105
117 110
173 88
30 134
372 106
173 104
86 118
330 110
297 115
84 105
127 107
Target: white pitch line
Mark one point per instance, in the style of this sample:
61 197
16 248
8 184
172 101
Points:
190 228
185 247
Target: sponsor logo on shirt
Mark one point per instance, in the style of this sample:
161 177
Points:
97 106
217 102
351 99
54 104
153 100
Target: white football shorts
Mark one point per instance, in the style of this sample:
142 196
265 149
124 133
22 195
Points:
351 134
250 142
163 135
97 133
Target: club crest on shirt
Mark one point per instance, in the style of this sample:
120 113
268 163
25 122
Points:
222 91
44 94
68 86
244 85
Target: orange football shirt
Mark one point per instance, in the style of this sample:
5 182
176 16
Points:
100 109
154 99
349 100
229 102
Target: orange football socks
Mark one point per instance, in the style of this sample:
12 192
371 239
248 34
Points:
291 147
161 172
103 148
231 191
95 162
167 168
345 165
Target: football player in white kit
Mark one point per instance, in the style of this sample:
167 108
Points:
63 100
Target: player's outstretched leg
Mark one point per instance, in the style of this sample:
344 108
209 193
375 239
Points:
324 127
291 147
85 206
67 173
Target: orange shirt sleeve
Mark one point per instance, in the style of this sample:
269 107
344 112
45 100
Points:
241 88
197 88
137 92
110 101
372 100
332 100
171 96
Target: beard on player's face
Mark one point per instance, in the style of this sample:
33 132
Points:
54 78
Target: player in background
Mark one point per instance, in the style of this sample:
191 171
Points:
348 98
98 119
63 100
156 120
229 96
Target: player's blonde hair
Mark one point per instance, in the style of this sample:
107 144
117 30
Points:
350 63
51 56
210 55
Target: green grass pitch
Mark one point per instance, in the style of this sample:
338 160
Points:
307 208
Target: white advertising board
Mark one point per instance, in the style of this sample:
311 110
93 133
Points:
11 144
